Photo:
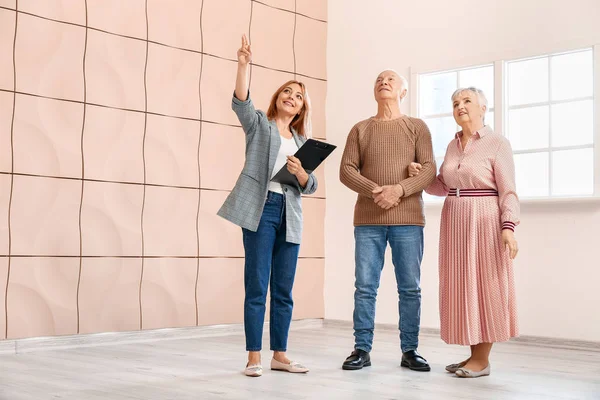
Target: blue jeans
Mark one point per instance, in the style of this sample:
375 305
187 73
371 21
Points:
269 258
406 242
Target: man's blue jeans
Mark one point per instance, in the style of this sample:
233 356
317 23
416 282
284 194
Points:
406 242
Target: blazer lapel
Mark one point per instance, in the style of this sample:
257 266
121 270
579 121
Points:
297 138
274 145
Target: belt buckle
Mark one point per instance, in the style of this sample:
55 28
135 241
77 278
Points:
457 192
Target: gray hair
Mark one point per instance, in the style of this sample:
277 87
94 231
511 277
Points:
402 79
404 82
477 92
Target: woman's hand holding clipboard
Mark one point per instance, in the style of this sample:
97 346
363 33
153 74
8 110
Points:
310 155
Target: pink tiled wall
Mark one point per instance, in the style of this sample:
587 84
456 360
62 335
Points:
117 147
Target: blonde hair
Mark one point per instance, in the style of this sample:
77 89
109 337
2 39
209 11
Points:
302 121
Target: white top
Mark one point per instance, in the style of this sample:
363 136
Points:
288 148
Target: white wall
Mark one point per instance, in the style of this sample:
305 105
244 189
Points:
558 268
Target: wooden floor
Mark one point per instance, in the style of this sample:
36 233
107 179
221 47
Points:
210 368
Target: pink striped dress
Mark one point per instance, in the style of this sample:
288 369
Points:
477 292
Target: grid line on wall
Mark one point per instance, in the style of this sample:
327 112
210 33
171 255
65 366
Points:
130 109
250 41
289 11
144 164
171 46
133 37
199 171
12 169
294 36
158 185
82 168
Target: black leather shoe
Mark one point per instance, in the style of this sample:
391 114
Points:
357 360
413 360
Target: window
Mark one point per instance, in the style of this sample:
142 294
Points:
547 114
550 115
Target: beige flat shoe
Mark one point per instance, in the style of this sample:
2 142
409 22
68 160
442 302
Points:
293 366
454 367
467 373
254 370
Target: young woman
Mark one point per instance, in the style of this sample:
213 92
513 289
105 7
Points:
269 213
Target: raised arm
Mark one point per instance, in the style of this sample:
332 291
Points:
244 56
241 103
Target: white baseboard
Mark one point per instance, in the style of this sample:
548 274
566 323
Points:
19 346
522 340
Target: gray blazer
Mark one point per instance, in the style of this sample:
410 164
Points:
244 205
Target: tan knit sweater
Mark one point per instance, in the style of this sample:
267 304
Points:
378 153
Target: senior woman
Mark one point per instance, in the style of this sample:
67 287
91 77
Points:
477 243
269 213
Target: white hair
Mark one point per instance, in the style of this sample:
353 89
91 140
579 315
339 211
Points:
403 80
477 92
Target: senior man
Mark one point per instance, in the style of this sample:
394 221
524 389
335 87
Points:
389 209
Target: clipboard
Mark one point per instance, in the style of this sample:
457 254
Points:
311 155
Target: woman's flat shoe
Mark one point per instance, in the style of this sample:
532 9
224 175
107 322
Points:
293 366
254 370
454 367
467 373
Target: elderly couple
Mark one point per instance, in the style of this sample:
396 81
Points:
388 161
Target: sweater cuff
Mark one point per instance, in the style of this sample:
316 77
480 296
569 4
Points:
403 191
508 225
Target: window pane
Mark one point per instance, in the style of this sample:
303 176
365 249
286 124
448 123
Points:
528 81
573 172
528 128
435 92
442 132
481 78
573 123
489 119
531 172
572 75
